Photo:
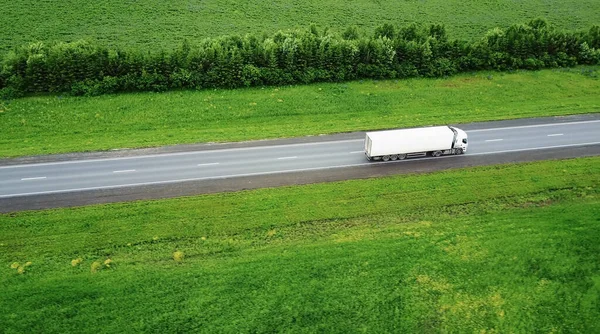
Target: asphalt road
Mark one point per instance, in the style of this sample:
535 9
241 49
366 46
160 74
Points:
44 182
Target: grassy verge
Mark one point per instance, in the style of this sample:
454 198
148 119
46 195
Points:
158 24
502 248
49 124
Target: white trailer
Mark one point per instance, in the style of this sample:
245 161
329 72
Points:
400 144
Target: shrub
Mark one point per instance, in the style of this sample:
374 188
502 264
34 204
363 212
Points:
96 266
178 256
304 56
8 93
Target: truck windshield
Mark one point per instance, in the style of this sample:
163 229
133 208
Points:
464 140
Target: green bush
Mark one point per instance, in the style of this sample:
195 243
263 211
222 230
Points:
306 56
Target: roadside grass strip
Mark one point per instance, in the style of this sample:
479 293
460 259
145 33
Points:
57 124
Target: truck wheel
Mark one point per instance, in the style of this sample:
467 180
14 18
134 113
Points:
459 151
436 153
386 158
394 157
401 156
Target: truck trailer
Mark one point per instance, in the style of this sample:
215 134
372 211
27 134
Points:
405 143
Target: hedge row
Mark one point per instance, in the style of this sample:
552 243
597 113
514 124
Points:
300 57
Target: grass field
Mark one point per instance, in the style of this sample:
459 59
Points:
496 249
55 124
489 249
156 24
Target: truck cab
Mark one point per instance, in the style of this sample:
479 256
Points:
461 141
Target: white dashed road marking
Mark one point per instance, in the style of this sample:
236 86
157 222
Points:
33 178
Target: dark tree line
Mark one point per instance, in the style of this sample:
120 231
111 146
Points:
300 57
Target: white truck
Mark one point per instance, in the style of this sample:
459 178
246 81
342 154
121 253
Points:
406 143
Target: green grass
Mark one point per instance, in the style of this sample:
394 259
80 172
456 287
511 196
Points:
55 124
503 249
164 24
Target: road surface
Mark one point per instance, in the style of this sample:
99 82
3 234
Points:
30 185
